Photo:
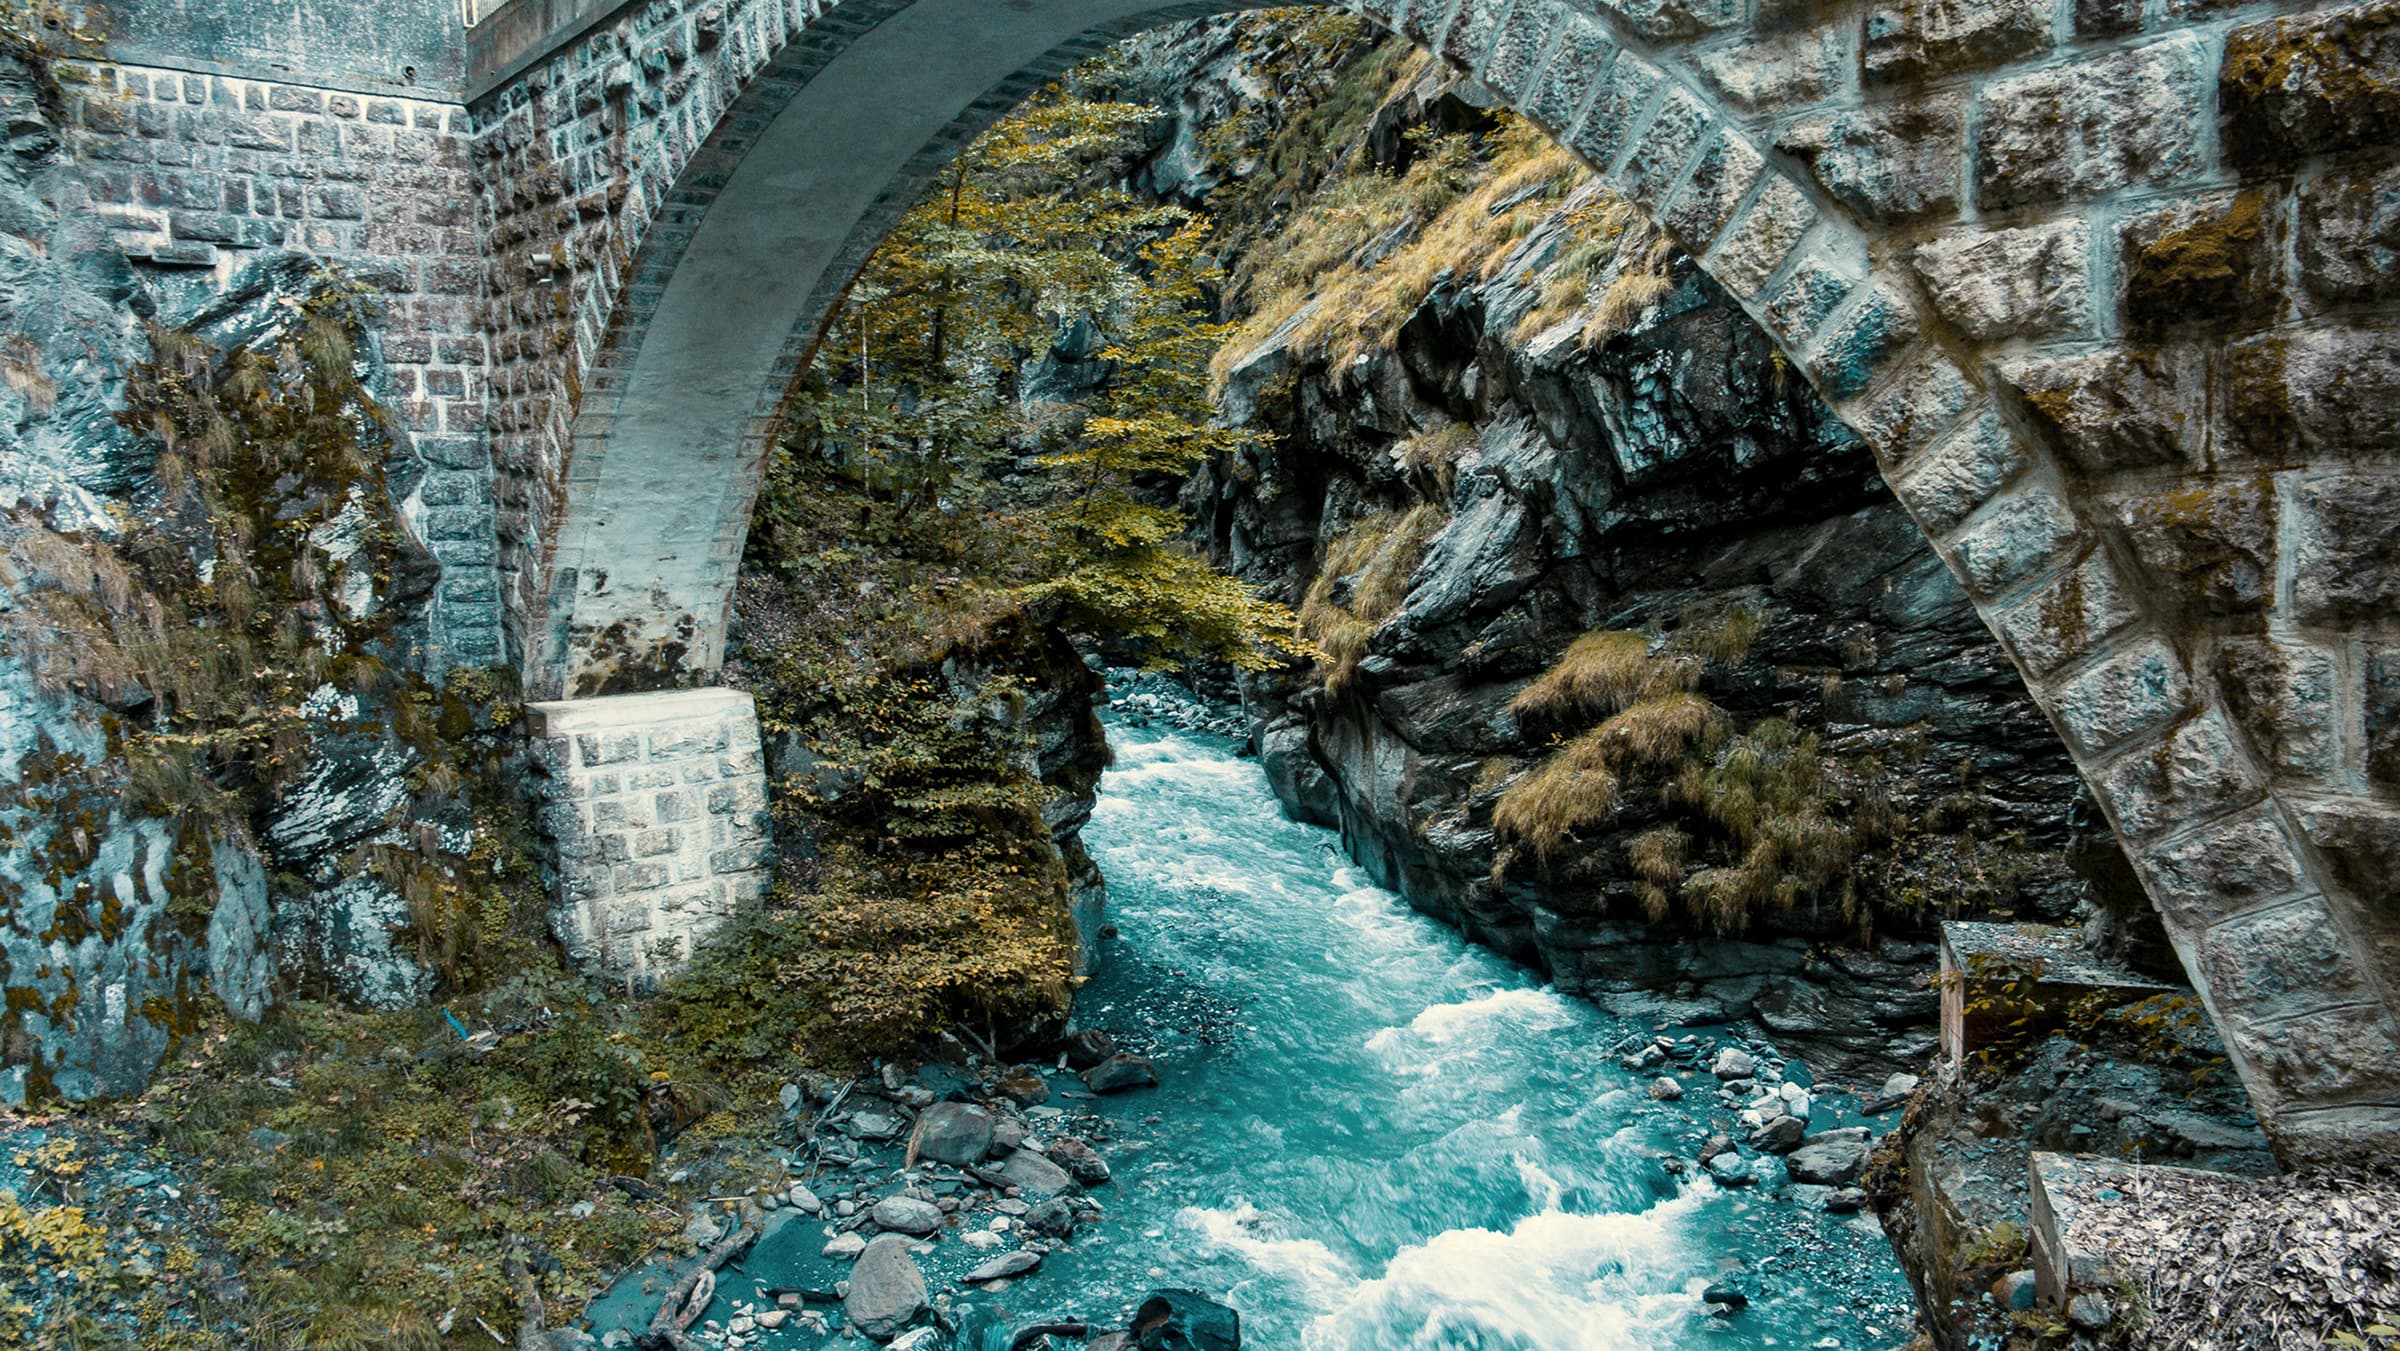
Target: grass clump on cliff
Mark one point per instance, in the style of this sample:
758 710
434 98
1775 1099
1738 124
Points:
1362 582
1604 672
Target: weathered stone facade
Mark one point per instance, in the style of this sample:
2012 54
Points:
197 174
655 813
2108 287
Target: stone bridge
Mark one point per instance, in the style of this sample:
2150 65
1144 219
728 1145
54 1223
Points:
2109 285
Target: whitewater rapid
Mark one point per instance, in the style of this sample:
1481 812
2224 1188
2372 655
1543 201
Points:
1373 1137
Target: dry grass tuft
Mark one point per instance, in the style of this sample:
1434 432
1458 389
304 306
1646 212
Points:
1605 672
1362 583
1570 791
1449 209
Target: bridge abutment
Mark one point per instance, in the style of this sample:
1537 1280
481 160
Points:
654 824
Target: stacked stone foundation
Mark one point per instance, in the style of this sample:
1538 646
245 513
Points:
655 824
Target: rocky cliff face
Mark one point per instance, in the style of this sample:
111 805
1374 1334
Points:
1560 516
174 836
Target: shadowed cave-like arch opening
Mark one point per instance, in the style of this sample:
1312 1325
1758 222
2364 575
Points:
783 195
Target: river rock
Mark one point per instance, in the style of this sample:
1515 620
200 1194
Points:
953 1133
1731 1170
887 1292
1088 1047
1667 1089
1185 1320
2016 1292
843 1247
1004 1266
1053 1218
1024 1088
1845 1201
874 1126
1779 1135
1726 1295
1120 1072
1734 1063
1037 1175
907 1215
1082 1162
1008 1135
1831 1159
801 1198
1717 1144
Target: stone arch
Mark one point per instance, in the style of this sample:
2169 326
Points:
2109 288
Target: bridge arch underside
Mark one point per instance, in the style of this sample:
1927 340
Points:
2112 297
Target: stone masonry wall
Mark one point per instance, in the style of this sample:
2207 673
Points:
655 819
199 174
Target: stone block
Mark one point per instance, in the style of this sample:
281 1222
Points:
1814 286
1666 146
2282 963
1858 344
1602 133
2318 84
1575 70
2349 236
2105 18
2207 546
2359 839
2345 551
2196 772
1515 59
1470 36
2118 409
2224 868
2325 392
607 748
2130 693
1967 469
1781 70
1916 40
2206 263
1718 182
1892 164
2327 1058
1674 18
1914 408
672 807
2281 692
1997 284
2110 121
2379 696
2024 532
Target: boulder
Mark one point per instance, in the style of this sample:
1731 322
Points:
1088 1047
954 1133
1185 1320
1082 1162
1779 1135
1120 1072
1726 1296
1037 1175
887 1292
1667 1089
1831 1159
907 1215
1734 1063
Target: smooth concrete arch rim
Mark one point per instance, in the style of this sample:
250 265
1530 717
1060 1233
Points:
733 286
